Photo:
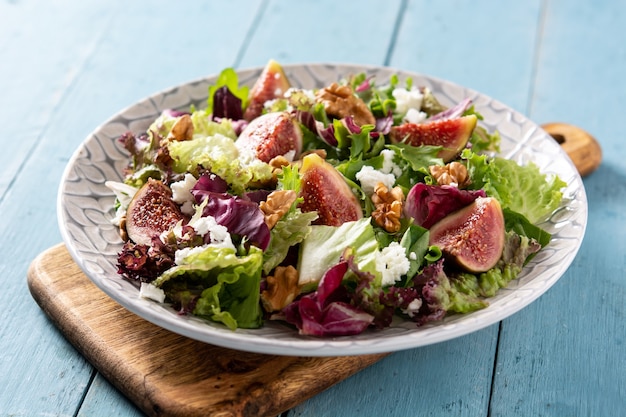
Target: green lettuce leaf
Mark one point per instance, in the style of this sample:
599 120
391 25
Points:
290 230
517 250
229 284
228 77
219 154
325 245
523 189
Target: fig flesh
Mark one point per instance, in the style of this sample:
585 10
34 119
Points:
271 135
325 191
271 84
452 134
472 237
151 212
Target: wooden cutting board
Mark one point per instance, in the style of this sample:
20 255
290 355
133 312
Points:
165 374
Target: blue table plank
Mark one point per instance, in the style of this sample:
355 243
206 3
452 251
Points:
39 370
322 31
565 354
118 53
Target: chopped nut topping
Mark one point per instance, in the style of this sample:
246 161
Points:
319 152
123 233
454 173
182 129
339 102
276 205
282 288
388 205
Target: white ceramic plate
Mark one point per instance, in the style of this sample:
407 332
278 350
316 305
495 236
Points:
85 208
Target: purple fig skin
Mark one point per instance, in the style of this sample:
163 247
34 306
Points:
472 237
271 135
325 191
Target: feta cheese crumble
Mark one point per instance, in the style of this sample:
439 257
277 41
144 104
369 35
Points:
414 116
390 167
370 177
151 292
413 308
407 99
392 263
181 193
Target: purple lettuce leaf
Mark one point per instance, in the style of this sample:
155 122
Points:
327 134
427 204
226 104
209 182
327 311
240 216
384 124
453 112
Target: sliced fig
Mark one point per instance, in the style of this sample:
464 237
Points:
452 134
271 84
324 190
472 237
151 212
271 135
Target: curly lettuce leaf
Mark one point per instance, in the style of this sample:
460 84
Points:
523 189
228 285
218 154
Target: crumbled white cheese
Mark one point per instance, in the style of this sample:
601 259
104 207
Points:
124 194
392 263
390 167
413 256
218 233
151 292
413 308
414 116
407 99
370 178
181 254
181 193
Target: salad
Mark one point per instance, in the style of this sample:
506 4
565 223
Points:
332 210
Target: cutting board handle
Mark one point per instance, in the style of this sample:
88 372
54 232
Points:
582 148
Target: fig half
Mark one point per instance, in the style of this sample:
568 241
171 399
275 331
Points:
452 134
324 190
271 84
472 237
151 212
271 135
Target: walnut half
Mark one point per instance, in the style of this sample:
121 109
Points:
454 173
276 205
339 101
282 288
388 205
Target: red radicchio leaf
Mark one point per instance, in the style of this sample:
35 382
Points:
427 204
322 313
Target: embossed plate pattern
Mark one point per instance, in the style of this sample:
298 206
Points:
85 209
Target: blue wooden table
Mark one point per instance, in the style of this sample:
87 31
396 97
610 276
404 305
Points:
68 65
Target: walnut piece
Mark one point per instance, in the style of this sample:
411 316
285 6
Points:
276 205
339 102
282 288
388 205
182 129
454 173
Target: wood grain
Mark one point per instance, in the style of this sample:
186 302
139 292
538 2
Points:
166 374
